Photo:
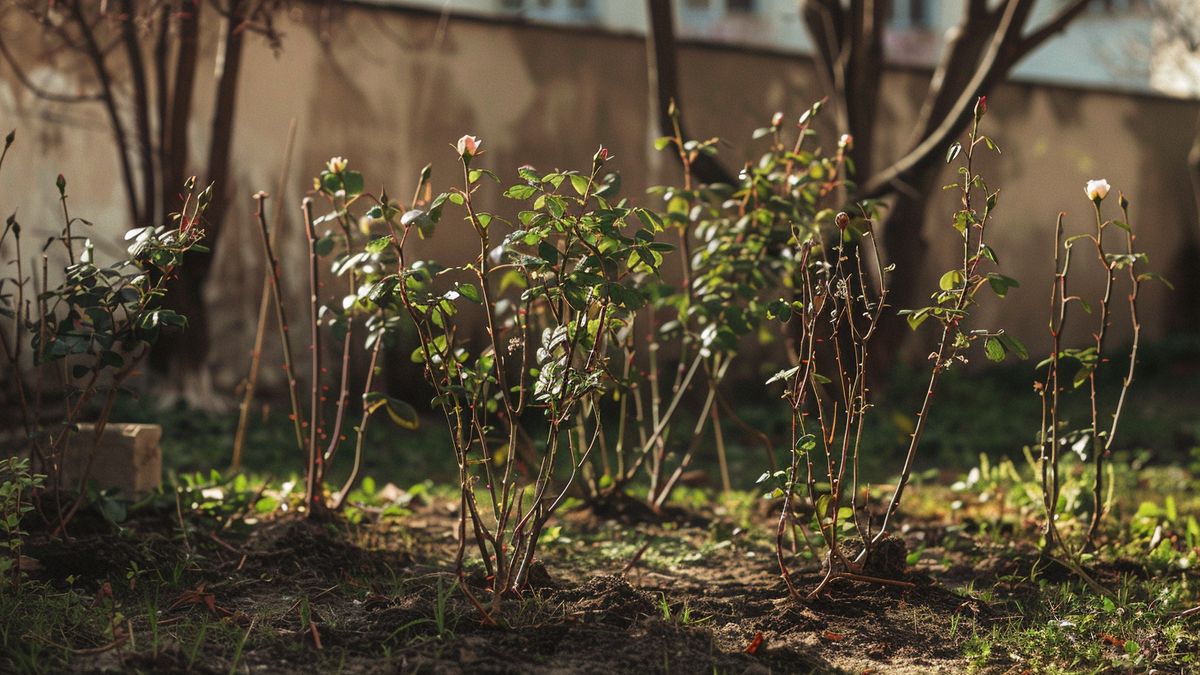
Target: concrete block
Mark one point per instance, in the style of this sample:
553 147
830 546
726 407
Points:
128 457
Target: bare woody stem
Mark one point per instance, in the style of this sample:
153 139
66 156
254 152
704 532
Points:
315 473
1099 446
289 365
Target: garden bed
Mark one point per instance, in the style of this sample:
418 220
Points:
700 594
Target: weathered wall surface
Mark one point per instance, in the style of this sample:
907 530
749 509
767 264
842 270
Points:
391 90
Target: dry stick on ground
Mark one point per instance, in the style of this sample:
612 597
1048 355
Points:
289 365
239 438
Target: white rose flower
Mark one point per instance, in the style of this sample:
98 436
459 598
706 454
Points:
1097 189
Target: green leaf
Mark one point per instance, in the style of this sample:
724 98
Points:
953 151
1149 276
1081 376
423 221
951 280
915 317
324 245
379 245
649 219
994 349
400 412
783 374
529 174
470 292
1013 345
1000 283
330 182
580 183
521 192
353 181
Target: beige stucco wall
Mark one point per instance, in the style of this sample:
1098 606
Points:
391 91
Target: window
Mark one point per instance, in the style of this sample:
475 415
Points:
742 6
909 14
546 8
1114 6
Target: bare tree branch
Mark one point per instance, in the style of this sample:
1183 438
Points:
1055 24
108 97
1003 51
38 91
141 109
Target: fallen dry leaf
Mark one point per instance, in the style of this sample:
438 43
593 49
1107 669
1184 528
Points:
755 643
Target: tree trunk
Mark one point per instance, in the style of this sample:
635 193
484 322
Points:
663 75
1186 275
141 112
174 151
184 355
905 244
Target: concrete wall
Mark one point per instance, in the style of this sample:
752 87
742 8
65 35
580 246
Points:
391 90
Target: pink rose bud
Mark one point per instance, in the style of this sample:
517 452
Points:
846 141
468 146
980 107
601 156
842 220
777 120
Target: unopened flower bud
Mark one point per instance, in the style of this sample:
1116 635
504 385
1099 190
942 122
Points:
1097 189
600 157
846 141
980 107
842 220
468 146
776 120
336 164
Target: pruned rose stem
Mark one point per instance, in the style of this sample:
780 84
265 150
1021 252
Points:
1099 446
239 438
947 348
315 469
289 364
1052 387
